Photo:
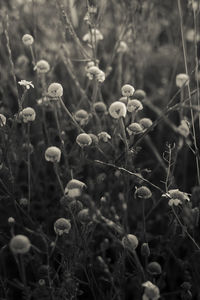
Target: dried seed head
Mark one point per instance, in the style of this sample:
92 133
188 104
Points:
154 268
61 226
55 90
134 105
28 114
130 242
83 140
127 90
182 79
117 109
42 66
53 154
20 244
143 192
27 39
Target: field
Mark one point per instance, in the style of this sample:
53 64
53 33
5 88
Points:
99 149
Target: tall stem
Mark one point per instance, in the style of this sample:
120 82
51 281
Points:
29 167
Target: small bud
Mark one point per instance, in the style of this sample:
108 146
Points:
183 129
2 120
28 114
94 138
154 268
130 242
151 291
20 244
95 72
124 100
139 94
11 221
55 90
100 107
53 154
122 47
117 109
145 123
143 192
82 117
74 188
42 66
41 282
84 216
134 105
83 140
145 251
23 202
27 39
61 226
134 128
90 37
182 80
75 206
127 90
104 136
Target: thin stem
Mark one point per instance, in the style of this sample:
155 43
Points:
33 56
29 167
144 220
55 165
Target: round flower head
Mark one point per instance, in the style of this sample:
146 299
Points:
20 244
124 100
151 291
84 216
42 66
74 188
55 90
154 268
139 94
95 72
75 206
145 251
94 138
61 226
191 36
127 90
181 80
11 221
23 202
94 35
176 197
100 107
2 120
130 242
83 140
89 65
145 123
53 154
104 136
81 116
28 114
27 39
117 109
122 47
134 105
184 129
143 192
134 128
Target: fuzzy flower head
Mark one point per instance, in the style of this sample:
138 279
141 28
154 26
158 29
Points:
74 188
134 128
143 192
151 291
84 216
182 80
89 65
184 129
124 100
94 35
117 109
83 140
20 244
122 47
27 39
26 84
82 117
145 123
104 136
28 114
42 66
139 94
53 154
95 72
127 90
176 197
61 226
2 120
134 105
130 242
55 90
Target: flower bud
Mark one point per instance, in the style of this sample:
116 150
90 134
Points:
124 100
74 188
117 109
61 226
94 138
81 116
145 123
83 140
53 154
42 66
184 129
151 291
104 136
145 251
127 90
139 94
23 202
28 114
75 206
95 72
27 39
20 244
90 37
130 242
134 105
2 120
65 200
134 128
154 268
143 192
84 216
11 221
122 47
181 80
55 90
100 107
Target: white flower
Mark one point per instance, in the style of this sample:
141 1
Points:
61 226
176 197
53 154
26 84
27 39
134 105
117 109
28 114
90 37
2 120
104 136
151 291
182 80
